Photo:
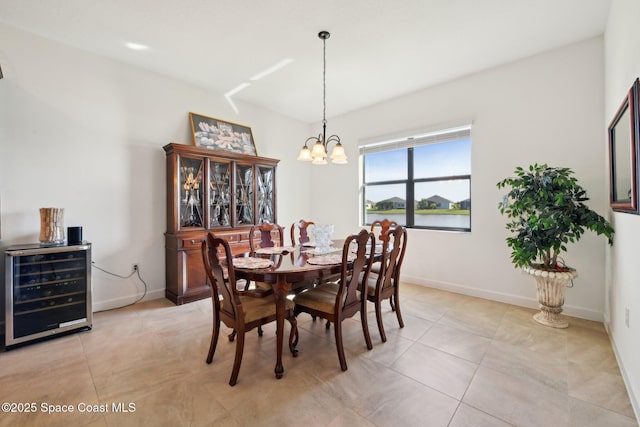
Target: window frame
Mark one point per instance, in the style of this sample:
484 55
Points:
409 143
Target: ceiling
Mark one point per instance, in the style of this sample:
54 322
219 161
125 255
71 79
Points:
378 49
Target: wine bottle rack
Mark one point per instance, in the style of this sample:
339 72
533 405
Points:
48 291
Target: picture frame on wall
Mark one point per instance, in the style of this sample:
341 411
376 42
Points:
216 134
624 152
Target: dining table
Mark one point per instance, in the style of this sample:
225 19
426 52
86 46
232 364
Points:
289 265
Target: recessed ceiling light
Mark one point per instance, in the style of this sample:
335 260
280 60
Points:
136 46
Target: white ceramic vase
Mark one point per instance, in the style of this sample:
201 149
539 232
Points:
551 286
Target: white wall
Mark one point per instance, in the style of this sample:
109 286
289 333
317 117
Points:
622 67
546 109
85 133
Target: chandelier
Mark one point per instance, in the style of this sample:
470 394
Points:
318 154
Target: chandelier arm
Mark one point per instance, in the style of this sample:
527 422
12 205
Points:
312 138
333 138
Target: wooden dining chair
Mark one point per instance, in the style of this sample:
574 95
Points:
299 230
267 231
299 236
240 310
336 302
385 284
382 226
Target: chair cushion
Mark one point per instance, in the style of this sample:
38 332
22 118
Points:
375 267
304 284
321 298
256 308
262 285
372 282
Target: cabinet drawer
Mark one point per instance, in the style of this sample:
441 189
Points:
192 243
231 237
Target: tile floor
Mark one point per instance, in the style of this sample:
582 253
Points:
459 361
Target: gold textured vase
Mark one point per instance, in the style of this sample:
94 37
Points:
52 226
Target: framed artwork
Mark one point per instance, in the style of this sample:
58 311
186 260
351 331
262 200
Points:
624 149
218 134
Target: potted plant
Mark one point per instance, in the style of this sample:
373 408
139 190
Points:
547 211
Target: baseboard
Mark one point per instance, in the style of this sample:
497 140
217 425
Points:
126 300
569 310
623 372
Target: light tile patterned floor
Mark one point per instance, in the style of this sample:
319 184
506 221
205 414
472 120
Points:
460 361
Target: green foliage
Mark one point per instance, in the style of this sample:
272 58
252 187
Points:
384 205
546 205
426 204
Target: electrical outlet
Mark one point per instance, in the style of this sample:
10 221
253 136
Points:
626 316
135 267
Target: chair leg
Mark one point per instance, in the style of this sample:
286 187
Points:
214 339
392 303
260 331
378 305
328 325
365 325
232 335
398 314
337 327
238 359
293 336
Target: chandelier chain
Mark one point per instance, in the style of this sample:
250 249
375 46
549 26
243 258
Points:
324 81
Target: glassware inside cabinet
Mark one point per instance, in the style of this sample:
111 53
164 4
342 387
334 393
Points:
266 203
244 194
191 187
219 194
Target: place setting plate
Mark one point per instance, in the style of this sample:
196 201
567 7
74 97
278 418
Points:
252 263
319 251
330 259
378 249
275 250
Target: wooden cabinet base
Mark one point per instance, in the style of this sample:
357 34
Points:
186 280
191 295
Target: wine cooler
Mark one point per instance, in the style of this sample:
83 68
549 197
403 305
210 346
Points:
48 291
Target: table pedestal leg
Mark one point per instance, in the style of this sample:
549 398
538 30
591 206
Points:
280 291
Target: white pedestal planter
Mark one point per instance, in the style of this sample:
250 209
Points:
551 295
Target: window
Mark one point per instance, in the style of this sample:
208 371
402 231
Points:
419 182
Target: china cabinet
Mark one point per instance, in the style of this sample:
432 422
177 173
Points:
211 190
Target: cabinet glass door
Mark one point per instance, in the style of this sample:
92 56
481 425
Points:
266 203
190 188
244 194
219 194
